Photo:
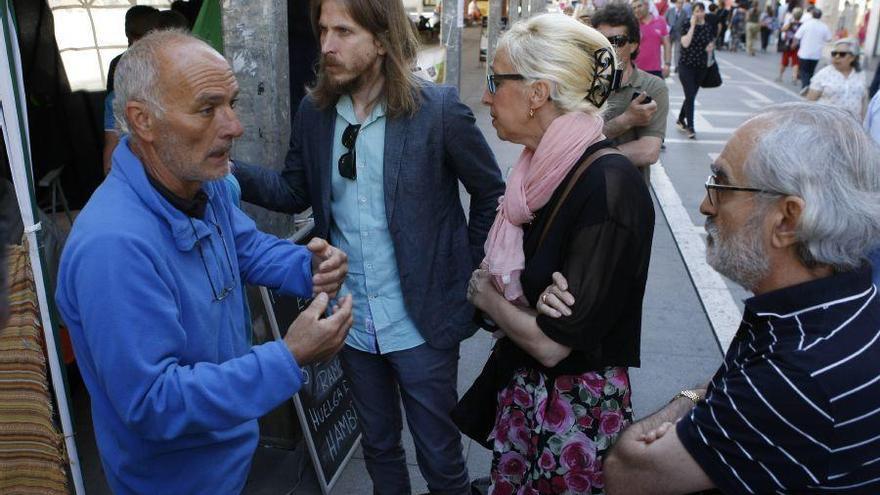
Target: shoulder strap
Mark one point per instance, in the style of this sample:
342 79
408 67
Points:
581 167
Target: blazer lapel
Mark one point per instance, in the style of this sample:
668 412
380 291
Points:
323 166
395 141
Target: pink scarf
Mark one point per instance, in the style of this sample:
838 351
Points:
535 177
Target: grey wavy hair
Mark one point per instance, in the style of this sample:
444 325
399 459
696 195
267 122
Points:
137 73
821 154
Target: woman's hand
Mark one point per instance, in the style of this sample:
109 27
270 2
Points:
556 301
481 290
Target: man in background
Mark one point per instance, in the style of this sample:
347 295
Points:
139 20
811 38
637 125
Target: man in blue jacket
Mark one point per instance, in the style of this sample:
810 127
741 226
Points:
150 285
378 155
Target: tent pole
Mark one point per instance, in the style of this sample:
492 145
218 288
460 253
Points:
17 136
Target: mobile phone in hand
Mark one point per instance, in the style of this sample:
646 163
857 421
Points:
647 98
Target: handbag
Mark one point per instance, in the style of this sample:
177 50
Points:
712 78
475 412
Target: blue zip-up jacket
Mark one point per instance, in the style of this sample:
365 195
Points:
175 388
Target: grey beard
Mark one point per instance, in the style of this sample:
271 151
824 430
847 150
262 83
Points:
741 257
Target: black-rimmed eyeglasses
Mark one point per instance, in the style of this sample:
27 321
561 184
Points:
347 162
712 186
227 289
492 80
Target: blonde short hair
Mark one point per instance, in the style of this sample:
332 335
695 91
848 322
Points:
560 50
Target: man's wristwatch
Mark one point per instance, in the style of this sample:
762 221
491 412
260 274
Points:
692 395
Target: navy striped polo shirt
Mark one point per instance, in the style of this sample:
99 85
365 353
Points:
795 407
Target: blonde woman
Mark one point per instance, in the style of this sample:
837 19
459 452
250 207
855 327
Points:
574 206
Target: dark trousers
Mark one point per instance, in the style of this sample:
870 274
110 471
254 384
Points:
690 78
425 379
765 37
808 67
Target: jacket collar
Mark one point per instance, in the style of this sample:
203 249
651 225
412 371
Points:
128 168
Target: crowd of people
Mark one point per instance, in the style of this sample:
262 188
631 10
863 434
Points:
554 262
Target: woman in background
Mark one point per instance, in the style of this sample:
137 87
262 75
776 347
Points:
696 45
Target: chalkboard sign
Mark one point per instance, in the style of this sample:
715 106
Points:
324 403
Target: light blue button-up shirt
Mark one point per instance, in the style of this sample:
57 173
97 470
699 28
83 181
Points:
360 228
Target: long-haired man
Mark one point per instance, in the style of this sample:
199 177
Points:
378 154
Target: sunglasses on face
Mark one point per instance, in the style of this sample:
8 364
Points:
840 54
492 80
347 164
619 40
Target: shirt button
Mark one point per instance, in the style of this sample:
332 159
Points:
363 200
373 296
369 266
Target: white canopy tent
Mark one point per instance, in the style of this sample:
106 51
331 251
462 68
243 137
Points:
13 120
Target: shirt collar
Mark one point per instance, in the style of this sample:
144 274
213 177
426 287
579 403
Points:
345 109
194 208
810 294
634 81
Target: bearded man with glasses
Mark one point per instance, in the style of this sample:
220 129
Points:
635 113
150 285
379 154
795 406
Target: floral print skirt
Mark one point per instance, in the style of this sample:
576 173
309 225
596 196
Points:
550 435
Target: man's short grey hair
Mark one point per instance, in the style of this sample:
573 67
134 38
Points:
137 74
821 154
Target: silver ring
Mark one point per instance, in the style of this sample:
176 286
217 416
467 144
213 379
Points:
544 298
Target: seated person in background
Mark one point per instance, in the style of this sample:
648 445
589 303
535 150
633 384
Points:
795 408
637 125
139 20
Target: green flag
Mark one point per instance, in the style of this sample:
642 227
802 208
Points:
209 24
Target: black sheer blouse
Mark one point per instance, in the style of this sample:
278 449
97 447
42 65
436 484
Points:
600 241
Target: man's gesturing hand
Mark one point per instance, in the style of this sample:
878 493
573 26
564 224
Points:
311 338
329 266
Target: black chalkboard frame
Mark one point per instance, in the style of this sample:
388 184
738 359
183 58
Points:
325 483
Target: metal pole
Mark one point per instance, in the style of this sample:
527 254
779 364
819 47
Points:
496 10
255 43
513 11
537 7
873 23
450 35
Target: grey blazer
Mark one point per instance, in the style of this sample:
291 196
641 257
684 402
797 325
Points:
425 158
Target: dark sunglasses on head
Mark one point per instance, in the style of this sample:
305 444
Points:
347 164
619 40
840 54
492 80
